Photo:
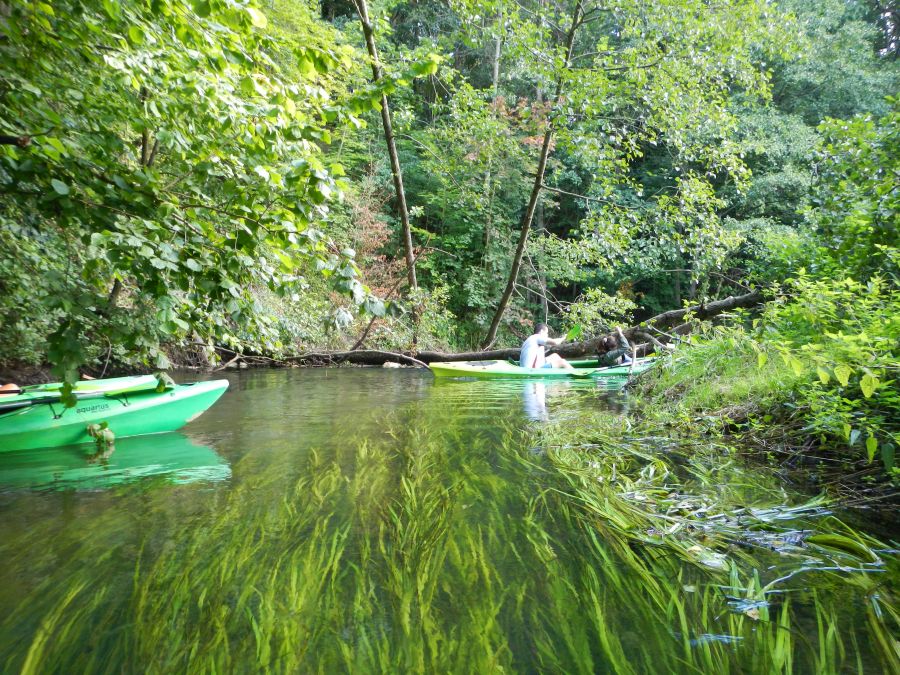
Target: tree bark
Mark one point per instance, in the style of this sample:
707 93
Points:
495 74
368 31
488 195
21 141
364 357
528 216
113 297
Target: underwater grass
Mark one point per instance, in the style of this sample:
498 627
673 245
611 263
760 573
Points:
435 549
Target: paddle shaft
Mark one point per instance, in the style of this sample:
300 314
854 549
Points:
57 397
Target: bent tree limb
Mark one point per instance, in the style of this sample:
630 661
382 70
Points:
528 216
672 318
368 31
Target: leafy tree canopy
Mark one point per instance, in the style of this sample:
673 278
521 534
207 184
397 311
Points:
168 154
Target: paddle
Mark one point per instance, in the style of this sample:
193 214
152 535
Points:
163 383
50 397
9 407
574 332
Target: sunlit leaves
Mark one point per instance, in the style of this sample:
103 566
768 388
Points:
178 154
871 447
847 332
257 18
843 372
857 203
868 383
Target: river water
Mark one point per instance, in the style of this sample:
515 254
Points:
378 520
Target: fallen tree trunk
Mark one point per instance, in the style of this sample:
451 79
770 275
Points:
673 320
364 357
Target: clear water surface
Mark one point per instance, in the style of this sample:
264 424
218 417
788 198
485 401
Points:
379 520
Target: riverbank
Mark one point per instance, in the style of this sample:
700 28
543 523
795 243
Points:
811 383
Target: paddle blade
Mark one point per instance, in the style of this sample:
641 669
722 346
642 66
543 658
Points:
574 332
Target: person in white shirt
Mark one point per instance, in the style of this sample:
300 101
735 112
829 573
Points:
533 354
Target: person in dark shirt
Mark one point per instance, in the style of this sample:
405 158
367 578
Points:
613 351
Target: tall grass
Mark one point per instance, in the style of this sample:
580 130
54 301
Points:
433 549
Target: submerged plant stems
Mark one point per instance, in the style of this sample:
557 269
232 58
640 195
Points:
441 552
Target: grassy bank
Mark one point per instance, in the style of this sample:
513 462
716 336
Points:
813 379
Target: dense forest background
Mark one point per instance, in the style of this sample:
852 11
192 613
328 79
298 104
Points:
216 171
179 177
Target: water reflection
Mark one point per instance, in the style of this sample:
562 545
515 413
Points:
539 400
171 456
535 401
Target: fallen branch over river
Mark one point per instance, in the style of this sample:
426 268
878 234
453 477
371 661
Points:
674 321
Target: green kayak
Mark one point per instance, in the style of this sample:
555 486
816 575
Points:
484 370
130 406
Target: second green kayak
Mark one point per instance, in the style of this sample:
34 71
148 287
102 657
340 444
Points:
504 370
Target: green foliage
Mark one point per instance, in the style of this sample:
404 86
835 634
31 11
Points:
596 312
187 161
168 156
829 67
468 176
857 203
837 70
777 147
844 336
821 362
772 252
25 319
434 327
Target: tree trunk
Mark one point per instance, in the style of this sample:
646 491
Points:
539 273
692 289
539 216
488 191
368 31
528 216
498 42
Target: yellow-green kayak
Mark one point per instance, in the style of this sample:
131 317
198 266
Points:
484 370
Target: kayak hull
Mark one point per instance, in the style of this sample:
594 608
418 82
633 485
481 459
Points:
50 424
488 370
